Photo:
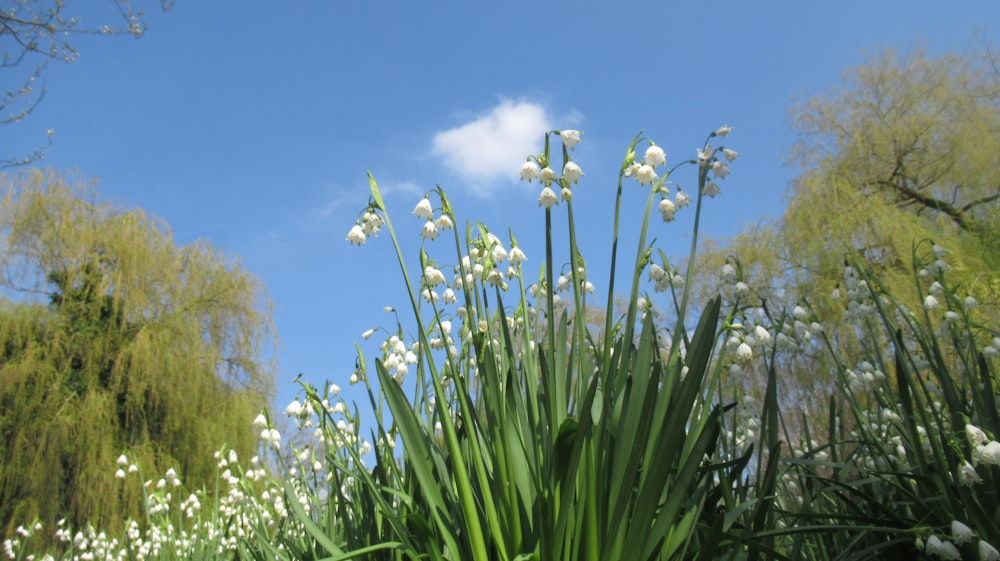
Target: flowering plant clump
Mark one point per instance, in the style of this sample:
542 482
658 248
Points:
504 424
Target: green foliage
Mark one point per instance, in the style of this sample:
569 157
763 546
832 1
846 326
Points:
912 442
142 347
525 437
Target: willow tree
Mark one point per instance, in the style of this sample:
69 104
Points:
910 149
114 340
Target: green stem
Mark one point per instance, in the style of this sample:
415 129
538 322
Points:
476 538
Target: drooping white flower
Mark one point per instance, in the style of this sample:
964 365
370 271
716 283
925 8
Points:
655 156
667 210
433 276
970 303
120 474
728 273
260 421
529 171
367 334
988 453
943 549
682 200
762 334
548 198
547 176
566 194
730 155
572 172
294 409
570 138
720 170
645 175
711 189
444 222
967 475
930 303
122 461
356 235
987 552
705 154
517 256
744 353
448 297
372 223
742 289
960 533
429 230
723 131
423 209
499 253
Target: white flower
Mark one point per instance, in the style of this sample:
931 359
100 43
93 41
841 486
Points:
970 303
667 210
566 195
260 421
122 461
728 273
723 131
547 176
730 154
547 198
742 289
987 552
655 156
943 549
989 453
975 435
448 297
429 231
744 353
705 154
645 174
433 276
682 200
720 169
572 172
930 303
372 223
444 222
423 209
762 334
120 474
967 475
294 409
529 171
517 256
711 189
961 533
367 334
334 389
356 235
570 138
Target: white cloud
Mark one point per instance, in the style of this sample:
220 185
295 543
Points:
494 145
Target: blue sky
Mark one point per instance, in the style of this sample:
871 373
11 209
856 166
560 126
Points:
253 127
